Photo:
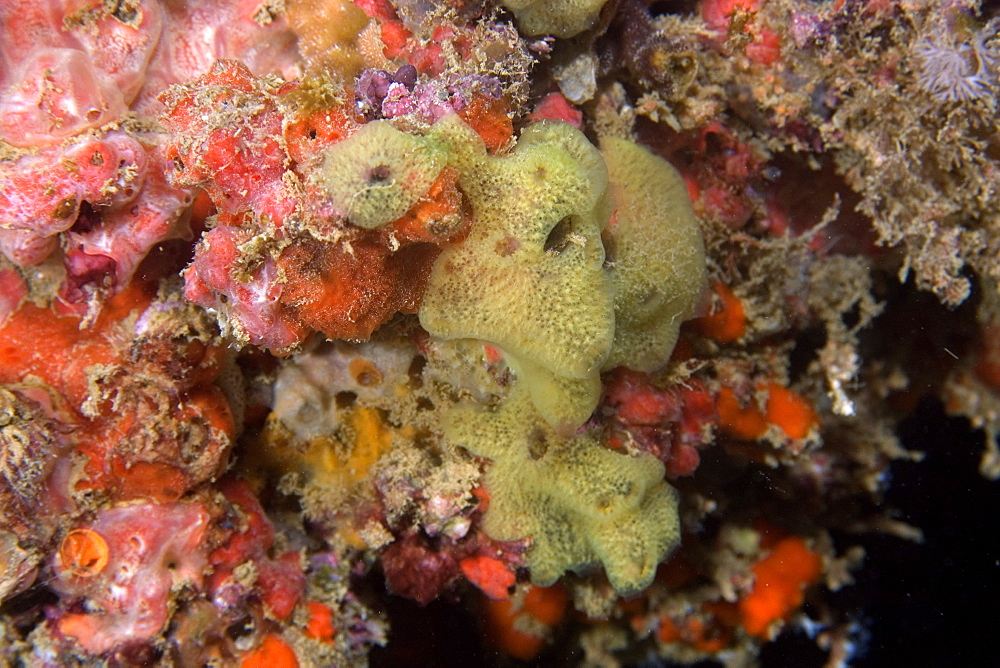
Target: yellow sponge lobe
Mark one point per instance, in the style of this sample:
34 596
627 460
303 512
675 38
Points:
530 276
580 503
658 255
560 18
377 174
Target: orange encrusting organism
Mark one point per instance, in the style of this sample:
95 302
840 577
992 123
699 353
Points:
42 343
83 553
158 481
747 423
349 294
786 409
437 216
705 637
92 368
781 576
394 37
780 581
547 605
729 322
491 575
482 496
307 135
790 411
488 117
274 652
320 625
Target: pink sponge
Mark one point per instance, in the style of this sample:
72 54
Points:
151 550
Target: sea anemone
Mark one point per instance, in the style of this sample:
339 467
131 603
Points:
958 73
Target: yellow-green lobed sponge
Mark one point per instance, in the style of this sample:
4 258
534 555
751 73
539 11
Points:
581 504
530 275
560 18
377 174
532 278
657 255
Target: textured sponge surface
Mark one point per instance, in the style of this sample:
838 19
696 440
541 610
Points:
529 277
374 176
532 278
658 256
580 503
561 18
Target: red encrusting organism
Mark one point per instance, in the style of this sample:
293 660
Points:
297 281
671 423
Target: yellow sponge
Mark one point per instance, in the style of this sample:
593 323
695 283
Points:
580 503
560 18
532 279
530 276
657 255
565 403
377 174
